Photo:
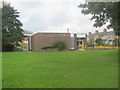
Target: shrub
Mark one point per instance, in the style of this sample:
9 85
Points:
98 41
116 42
48 47
18 48
8 47
60 45
90 43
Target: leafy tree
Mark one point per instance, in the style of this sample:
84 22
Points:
103 12
60 45
8 47
91 42
98 41
116 42
11 26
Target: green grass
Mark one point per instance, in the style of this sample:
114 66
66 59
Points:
74 69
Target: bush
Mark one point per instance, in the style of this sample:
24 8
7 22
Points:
116 42
8 47
60 45
90 43
18 48
48 47
98 41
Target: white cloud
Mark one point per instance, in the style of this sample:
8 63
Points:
46 1
53 16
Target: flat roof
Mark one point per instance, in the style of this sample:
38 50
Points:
51 33
48 33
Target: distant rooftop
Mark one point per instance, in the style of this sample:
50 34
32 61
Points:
51 33
27 32
102 34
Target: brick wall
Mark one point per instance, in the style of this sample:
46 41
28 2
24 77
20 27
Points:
40 40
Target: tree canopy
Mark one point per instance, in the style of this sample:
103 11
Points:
98 41
103 12
11 26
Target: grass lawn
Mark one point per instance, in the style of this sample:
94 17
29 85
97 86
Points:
70 69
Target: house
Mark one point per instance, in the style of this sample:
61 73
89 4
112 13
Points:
40 40
107 37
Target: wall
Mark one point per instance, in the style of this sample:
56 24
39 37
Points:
40 40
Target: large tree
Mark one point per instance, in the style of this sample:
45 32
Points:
11 26
103 12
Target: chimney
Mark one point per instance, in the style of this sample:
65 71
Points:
96 31
105 30
67 30
90 33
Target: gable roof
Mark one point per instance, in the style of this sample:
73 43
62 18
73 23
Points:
102 34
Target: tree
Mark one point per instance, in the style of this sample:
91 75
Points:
116 42
12 32
91 42
98 41
103 12
60 45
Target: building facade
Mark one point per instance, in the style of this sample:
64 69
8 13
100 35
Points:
107 37
40 40
24 44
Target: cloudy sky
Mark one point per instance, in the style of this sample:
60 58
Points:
53 16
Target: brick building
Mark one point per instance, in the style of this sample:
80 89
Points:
39 40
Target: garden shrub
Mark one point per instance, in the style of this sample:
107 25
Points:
60 45
47 47
8 47
98 41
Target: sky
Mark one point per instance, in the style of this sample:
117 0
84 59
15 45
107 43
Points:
53 16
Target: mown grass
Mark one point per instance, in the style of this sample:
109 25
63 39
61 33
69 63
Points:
74 69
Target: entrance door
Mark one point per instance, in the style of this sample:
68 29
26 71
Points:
80 43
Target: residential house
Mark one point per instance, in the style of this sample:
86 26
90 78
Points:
107 37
